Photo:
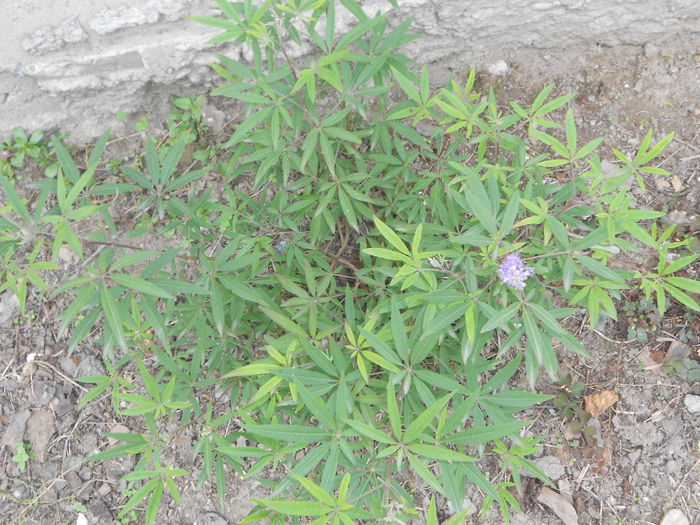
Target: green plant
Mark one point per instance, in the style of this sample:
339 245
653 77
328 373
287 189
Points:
79 506
23 455
569 402
686 368
369 294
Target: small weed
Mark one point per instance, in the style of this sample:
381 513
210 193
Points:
23 455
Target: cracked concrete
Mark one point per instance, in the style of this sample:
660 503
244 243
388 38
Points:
71 64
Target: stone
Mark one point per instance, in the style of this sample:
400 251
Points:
651 50
498 68
9 308
40 428
15 430
74 480
692 403
467 504
211 518
551 466
70 31
674 517
99 510
455 31
50 38
111 20
644 433
42 392
678 217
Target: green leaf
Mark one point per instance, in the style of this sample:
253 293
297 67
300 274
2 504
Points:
570 128
501 317
407 86
679 263
285 322
381 347
66 161
383 253
680 296
114 320
445 318
517 399
316 491
426 417
295 508
244 128
683 282
588 148
15 200
390 236
393 410
504 374
380 360
484 434
599 268
244 291
154 501
398 331
427 476
317 408
140 285
656 150
370 432
546 318
510 213
439 453
289 433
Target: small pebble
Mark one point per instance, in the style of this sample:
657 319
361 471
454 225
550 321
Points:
498 68
651 50
692 403
9 308
551 466
674 517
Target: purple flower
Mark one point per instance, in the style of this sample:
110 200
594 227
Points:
513 273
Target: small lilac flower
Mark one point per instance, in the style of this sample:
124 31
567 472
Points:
513 273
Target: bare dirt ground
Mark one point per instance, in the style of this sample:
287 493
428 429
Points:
642 460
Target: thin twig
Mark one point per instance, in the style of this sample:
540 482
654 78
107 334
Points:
614 340
61 374
675 493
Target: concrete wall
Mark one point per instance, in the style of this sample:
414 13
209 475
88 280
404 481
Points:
70 64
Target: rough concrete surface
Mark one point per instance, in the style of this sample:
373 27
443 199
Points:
71 64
